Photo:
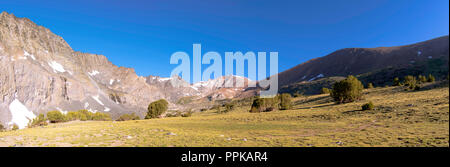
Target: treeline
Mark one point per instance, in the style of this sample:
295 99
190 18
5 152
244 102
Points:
58 117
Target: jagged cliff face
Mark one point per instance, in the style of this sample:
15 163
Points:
40 72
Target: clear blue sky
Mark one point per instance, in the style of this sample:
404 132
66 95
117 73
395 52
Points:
143 35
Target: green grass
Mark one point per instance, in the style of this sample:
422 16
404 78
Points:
400 118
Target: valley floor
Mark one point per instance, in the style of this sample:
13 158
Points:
400 118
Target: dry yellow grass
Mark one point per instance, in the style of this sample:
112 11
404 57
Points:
400 118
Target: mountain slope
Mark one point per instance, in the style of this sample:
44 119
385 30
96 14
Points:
42 72
353 61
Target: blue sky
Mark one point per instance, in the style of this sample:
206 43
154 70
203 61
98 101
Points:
143 34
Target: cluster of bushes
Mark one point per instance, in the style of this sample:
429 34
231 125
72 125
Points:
2 128
177 113
413 83
58 117
225 108
347 90
40 120
127 117
157 108
174 113
281 102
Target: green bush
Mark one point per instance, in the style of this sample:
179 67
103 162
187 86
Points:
347 90
187 114
325 91
85 115
55 117
368 106
264 104
410 82
127 117
431 78
73 115
227 107
99 116
369 86
285 101
422 79
38 121
156 108
15 127
396 82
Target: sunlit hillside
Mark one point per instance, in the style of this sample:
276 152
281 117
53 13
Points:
400 118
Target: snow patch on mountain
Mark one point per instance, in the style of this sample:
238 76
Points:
164 79
20 114
107 109
92 111
56 67
26 54
62 111
96 98
93 73
318 76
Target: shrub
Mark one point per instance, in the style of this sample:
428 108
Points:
2 128
55 117
156 108
264 104
410 82
228 107
347 90
396 82
422 79
285 101
73 115
218 109
368 106
431 78
369 86
99 116
187 114
15 127
85 115
325 91
127 117
38 121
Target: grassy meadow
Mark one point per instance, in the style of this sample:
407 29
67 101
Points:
400 118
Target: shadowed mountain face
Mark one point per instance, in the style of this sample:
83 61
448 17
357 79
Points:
353 61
